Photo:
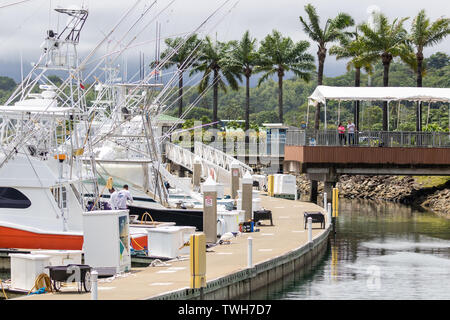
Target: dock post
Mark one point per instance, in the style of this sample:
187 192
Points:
325 201
234 179
247 196
196 173
209 189
309 229
94 288
250 252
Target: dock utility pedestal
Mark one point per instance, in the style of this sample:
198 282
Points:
107 241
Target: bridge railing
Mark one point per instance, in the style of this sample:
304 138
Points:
368 138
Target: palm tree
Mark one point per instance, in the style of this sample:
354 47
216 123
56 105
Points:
279 55
183 56
351 47
244 57
333 30
386 41
212 61
425 34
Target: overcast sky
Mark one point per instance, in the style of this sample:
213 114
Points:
24 25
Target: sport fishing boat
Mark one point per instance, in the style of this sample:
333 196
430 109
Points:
43 181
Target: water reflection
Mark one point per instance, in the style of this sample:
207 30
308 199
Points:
381 251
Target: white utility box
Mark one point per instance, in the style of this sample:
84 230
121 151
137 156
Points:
107 241
25 268
288 184
227 221
166 242
61 257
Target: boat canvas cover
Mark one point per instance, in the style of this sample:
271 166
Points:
323 93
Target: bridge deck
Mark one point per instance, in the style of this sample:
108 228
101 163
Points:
346 158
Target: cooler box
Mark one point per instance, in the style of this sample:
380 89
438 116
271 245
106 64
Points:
61 257
25 268
227 221
166 242
107 241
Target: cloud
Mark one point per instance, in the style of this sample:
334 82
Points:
24 25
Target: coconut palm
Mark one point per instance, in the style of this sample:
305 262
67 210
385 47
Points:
184 55
279 55
244 57
211 61
351 47
385 41
333 30
425 34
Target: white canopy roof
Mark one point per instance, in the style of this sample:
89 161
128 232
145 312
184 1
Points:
322 93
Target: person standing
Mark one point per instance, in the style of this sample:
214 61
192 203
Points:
351 132
113 198
122 198
341 131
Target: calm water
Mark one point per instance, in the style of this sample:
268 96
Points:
380 251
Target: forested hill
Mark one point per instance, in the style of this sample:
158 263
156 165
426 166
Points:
264 99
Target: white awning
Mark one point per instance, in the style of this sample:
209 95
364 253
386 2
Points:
323 93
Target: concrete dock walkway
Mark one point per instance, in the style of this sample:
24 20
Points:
270 242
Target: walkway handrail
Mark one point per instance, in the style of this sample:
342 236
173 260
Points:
368 138
219 157
185 158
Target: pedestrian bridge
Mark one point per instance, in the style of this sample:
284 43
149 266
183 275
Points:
323 156
370 153
214 161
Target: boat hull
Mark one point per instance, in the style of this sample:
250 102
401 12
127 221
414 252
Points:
17 238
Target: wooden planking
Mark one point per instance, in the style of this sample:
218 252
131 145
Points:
367 155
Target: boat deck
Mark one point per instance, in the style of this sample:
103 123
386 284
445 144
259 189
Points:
287 234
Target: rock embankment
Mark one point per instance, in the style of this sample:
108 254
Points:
405 190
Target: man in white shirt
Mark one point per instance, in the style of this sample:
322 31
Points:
351 132
113 198
122 198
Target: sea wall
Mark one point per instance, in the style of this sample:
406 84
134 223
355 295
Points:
244 283
433 195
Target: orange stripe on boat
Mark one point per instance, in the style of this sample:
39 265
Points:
15 238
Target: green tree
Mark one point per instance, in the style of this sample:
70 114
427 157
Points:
351 47
424 34
244 56
279 55
438 60
212 62
386 41
7 83
333 30
182 58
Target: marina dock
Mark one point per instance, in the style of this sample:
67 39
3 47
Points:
278 250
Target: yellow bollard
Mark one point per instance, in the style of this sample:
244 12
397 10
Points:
335 202
270 187
198 260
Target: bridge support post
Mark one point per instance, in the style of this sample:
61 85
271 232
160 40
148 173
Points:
196 174
313 192
247 196
210 210
328 189
234 179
